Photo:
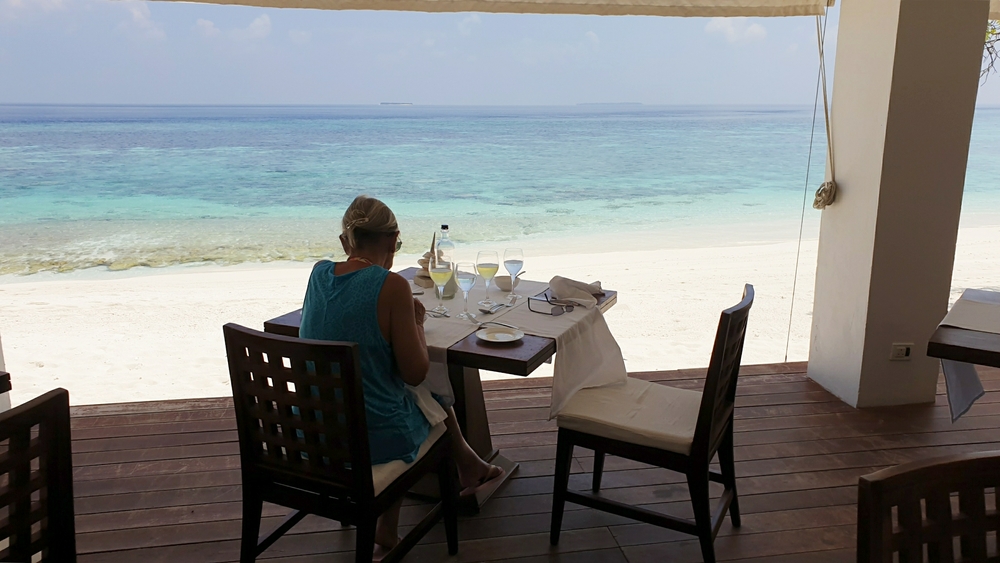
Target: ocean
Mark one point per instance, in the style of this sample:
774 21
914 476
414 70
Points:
117 187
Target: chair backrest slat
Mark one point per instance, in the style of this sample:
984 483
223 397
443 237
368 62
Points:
719 395
36 481
299 409
935 502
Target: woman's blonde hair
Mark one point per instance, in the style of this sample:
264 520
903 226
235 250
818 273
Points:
367 219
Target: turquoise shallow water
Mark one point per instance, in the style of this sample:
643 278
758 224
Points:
86 186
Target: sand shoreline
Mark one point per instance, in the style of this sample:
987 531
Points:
152 334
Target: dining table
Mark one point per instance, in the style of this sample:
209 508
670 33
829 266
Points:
970 332
467 356
969 335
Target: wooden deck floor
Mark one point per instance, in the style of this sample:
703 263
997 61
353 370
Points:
160 481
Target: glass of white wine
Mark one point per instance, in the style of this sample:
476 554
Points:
465 275
440 272
487 264
513 262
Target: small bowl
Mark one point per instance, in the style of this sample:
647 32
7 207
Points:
503 282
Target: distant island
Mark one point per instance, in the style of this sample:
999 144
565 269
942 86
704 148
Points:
396 104
611 104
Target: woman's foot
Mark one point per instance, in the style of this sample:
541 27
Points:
382 549
385 540
472 485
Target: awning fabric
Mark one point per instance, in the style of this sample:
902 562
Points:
702 8
995 9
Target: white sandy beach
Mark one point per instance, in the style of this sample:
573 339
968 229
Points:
156 334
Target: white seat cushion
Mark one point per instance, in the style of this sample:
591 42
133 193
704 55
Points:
638 412
384 474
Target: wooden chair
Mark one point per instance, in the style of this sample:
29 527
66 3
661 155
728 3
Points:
677 429
36 481
304 443
946 506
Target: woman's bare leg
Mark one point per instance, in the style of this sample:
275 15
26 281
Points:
471 468
387 529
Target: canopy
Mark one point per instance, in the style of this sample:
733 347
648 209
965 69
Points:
690 8
704 8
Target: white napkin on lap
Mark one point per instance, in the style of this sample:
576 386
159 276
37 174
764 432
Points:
566 291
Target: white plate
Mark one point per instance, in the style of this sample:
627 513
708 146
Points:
499 334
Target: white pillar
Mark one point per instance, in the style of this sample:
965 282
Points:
904 93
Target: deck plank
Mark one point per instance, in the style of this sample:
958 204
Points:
160 481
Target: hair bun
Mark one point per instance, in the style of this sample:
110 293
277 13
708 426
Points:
356 222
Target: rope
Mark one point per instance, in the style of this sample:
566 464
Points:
820 80
827 192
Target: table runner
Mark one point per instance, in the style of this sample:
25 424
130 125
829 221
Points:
976 309
587 354
442 333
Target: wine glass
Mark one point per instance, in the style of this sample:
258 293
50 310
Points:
440 273
487 264
465 275
513 261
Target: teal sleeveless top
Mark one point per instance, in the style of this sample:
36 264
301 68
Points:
345 308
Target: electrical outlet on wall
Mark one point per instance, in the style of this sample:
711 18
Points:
901 351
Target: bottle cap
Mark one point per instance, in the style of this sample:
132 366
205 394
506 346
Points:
444 227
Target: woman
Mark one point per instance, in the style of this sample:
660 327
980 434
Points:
361 301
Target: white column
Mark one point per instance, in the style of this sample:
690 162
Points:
904 93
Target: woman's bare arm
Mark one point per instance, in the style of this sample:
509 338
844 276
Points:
407 330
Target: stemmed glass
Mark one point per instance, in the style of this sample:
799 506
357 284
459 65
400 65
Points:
465 275
440 272
513 261
487 264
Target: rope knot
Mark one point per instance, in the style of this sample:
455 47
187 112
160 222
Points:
825 195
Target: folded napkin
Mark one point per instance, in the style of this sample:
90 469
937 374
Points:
566 291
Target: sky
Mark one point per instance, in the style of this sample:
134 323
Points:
134 52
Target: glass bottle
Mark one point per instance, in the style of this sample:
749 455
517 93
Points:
446 255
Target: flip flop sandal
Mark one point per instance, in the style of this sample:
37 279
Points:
484 482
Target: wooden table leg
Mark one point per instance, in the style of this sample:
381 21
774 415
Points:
470 410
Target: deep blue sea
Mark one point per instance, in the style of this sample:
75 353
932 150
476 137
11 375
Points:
118 187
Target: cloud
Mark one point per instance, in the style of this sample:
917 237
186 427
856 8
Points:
466 26
12 9
206 28
258 29
299 37
736 30
141 24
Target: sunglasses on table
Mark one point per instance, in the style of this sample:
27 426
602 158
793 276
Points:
556 309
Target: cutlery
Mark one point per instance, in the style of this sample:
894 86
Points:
436 315
505 325
492 309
